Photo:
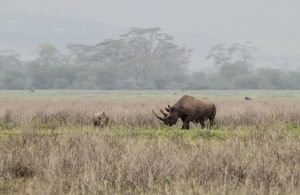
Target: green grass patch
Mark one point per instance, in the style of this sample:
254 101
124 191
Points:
292 129
12 186
7 125
221 133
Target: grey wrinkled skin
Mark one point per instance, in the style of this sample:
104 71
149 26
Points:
100 119
189 109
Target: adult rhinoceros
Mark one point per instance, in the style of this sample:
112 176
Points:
189 109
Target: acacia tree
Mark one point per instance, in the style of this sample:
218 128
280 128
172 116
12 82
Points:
50 69
141 58
154 56
236 58
11 71
222 55
99 65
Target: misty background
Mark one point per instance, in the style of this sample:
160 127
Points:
142 44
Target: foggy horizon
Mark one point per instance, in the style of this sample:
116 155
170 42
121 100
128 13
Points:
271 26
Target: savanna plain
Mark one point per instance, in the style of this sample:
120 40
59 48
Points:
48 144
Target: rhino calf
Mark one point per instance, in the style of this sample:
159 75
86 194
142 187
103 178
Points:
100 119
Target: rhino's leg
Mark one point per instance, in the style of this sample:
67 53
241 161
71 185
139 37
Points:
202 124
212 117
186 123
105 122
95 123
211 122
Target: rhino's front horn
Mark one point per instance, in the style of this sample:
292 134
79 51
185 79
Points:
160 118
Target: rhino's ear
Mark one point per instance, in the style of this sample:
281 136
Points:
181 110
176 110
173 109
167 109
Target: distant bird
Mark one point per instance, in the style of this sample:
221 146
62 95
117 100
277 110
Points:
247 98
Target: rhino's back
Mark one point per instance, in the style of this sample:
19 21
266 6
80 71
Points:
192 102
195 106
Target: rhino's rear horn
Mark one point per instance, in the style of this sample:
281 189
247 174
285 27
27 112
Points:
160 118
165 114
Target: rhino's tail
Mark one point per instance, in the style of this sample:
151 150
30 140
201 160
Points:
214 112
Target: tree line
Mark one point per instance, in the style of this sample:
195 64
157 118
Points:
140 59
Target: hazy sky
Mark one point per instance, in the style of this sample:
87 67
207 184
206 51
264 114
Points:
271 25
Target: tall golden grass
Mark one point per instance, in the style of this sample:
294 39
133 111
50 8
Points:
99 161
138 113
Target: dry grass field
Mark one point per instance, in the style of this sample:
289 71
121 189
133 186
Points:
49 146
